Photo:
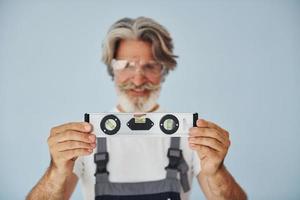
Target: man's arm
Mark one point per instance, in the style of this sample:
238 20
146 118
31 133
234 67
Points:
221 186
54 186
211 143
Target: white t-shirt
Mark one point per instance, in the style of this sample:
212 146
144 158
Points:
134 159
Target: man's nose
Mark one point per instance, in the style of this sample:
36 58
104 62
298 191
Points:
138 79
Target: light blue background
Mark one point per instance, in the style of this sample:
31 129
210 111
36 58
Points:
239 67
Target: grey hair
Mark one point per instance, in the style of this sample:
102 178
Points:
144 29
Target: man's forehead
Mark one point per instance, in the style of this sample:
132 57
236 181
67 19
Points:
134 49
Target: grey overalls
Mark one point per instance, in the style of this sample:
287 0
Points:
165 189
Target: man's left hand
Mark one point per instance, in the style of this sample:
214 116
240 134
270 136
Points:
211 143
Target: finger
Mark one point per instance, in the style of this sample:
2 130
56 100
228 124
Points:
208 124
68 145
209 142
73 135
76 126
69 154
203 151
198 148
207 132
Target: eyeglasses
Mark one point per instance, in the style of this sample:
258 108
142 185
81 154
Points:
127 68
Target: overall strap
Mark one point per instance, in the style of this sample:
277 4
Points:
101 159
177 163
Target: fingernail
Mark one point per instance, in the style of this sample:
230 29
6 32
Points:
93 145
200 122
87 127
92 138
192 146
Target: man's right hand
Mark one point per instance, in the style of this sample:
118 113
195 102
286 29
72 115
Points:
68 141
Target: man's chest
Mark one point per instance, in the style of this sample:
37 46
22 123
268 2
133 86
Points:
134 159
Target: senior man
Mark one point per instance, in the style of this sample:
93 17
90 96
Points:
139 54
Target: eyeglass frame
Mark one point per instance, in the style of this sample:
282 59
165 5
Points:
135 66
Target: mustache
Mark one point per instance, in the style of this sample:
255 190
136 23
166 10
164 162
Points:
146 86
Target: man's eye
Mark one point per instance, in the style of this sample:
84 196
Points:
149 67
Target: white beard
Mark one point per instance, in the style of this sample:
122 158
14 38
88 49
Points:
137 104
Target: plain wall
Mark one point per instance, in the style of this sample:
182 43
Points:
238 66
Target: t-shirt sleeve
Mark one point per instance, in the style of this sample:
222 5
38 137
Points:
79 167
196 164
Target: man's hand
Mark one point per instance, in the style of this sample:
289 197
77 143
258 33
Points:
211 143
68 141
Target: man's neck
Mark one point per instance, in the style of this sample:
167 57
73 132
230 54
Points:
119 107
